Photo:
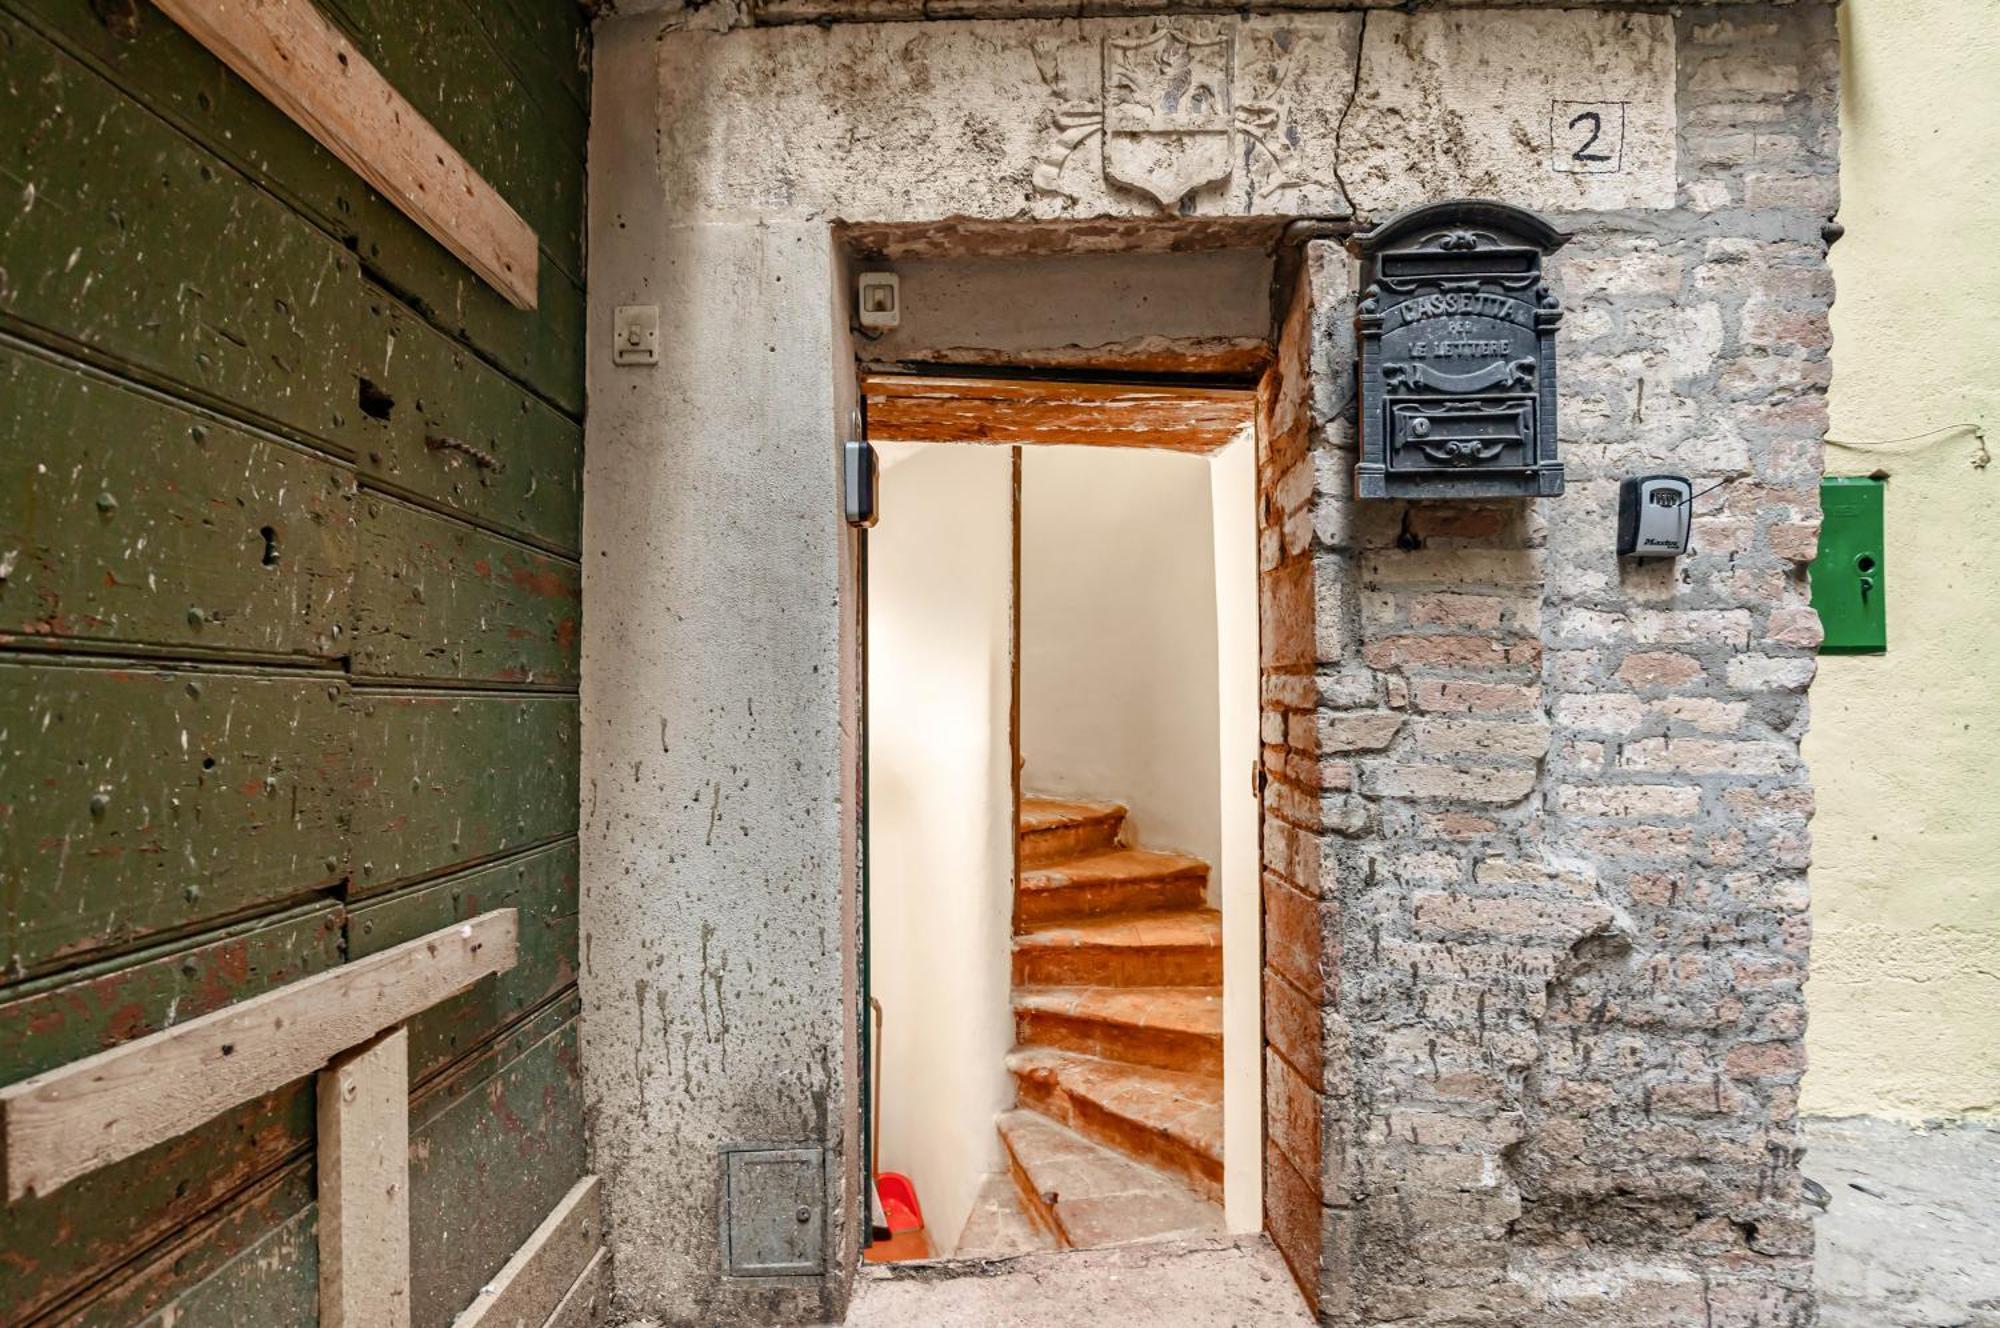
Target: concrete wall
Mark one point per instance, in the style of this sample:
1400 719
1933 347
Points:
940 817
1536 826
714 903
1118 638
1906 891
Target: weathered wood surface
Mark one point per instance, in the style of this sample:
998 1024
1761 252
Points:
435 598
445 780
289 52
152 60
546 45
364 1186
179 253
913 409
532 1284
90 1113
58 1246
540 886
79 1013
138 800
128 520
49 1247
497 1151
494 1145
254 1263
113 257
585 1303
527 141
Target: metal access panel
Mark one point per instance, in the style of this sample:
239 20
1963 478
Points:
1849 582
773 1212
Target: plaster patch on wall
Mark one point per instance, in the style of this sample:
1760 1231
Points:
1209 117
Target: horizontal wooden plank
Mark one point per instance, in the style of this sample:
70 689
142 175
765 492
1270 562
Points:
70 1121
444 780
254 1260
54 1246
112 255
133 801
496 1152
288 51
914 409
533 1282
67 1017
51 1246
152 60
540 886
128 519
435 598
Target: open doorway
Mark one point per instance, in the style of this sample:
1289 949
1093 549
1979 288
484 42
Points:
1063 913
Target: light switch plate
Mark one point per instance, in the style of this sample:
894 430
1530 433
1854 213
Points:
635 334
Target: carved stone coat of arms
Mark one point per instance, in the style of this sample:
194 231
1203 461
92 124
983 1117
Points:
1168 120
1169 114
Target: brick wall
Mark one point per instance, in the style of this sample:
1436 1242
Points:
1536 824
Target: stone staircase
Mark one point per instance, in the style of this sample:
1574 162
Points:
1117 1132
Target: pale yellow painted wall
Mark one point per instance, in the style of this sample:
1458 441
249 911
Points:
1905 747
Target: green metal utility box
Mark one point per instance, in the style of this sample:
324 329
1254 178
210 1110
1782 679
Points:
1849 586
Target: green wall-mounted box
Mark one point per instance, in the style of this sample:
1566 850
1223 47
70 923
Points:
1848 583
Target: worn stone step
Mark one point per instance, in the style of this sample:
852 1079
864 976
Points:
1124 880
1172 949
1090 1196
1169 1028
1001 1225
1053 829
1164 1118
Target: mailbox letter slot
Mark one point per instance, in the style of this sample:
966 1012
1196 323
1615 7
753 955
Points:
1458 373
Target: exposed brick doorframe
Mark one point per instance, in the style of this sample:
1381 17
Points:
1506 1080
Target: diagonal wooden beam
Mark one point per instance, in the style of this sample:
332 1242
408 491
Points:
289 52
532 1285
93 1112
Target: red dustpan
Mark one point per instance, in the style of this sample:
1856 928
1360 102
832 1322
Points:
895 1196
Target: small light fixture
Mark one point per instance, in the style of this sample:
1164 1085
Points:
880 300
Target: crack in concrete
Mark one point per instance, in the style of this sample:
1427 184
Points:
1340 128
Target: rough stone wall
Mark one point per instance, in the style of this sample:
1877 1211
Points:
1536 825
1560 836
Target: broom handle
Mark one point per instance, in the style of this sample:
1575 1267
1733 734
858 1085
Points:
875 1135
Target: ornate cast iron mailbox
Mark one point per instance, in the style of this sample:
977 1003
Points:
1458 357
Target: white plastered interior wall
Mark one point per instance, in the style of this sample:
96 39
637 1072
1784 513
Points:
940 609
1118 646
1138 675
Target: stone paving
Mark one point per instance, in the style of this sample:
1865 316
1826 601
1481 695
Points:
1910 1237
1238 1283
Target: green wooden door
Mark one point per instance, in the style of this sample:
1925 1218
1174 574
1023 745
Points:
289 606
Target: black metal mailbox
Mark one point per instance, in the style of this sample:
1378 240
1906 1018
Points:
1458 357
